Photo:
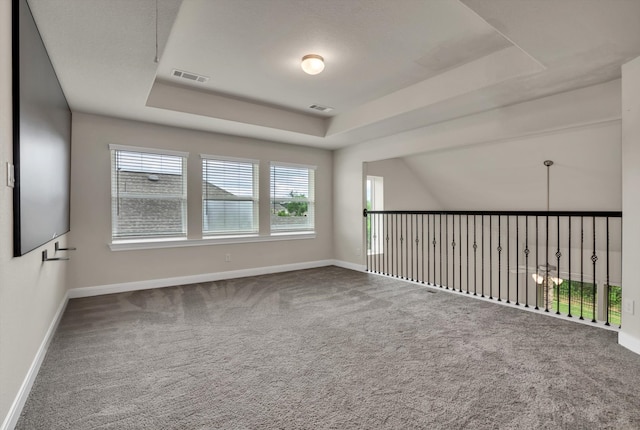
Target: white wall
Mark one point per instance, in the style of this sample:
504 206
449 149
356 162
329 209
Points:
630 335
403 188
30 291
95 264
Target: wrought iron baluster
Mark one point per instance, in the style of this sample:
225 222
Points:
378 239
508 256
453 252
378 242
475 259
558 255
440 240
608 308
460 249
402 239
537 266
417 240
581 267
422 245
482 249
374 245
499 249
410 241
546 269
367 220
434 250
406 246
569 257
490 257
467 248
428 251
517 260
396 270
446 250
526 262
594 258
386 250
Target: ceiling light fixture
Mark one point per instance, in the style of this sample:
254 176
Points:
312 64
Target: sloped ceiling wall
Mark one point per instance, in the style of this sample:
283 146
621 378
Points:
510 175
403 189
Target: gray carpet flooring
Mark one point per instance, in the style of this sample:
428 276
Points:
326 348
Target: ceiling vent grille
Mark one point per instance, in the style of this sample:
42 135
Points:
190 76
321 108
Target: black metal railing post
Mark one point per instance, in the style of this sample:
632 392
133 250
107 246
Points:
460 250
475 259
526 261
508 257
558 255
594 259
569 270
499 249
467 249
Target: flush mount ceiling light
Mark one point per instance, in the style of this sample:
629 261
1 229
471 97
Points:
312 64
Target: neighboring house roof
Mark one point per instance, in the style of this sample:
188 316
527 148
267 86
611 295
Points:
212 192
149 183
162 183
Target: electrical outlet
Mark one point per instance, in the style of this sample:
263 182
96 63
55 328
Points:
11 175
627 306
227 258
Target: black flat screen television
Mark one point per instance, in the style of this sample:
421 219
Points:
41 139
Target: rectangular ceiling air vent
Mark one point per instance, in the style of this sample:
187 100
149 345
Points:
321 108
190 76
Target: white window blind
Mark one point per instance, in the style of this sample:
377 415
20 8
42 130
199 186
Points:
292 197
148 194
229 196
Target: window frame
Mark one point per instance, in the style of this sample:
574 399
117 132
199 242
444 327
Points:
255 230
309 199
374 198
115 194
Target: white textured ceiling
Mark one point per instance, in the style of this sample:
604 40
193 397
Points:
390 65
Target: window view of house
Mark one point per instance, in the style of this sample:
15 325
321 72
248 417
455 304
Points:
292 198
229 196
148 195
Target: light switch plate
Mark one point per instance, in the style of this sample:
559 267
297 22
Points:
627 306
11 175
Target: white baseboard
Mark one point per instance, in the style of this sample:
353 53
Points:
629 342
351 266
205 277
15 410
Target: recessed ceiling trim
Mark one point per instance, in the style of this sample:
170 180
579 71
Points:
490 70
170 96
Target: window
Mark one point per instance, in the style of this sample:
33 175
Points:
148 193
292 197
375 202
229 196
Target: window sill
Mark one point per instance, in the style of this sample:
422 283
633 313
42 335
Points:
132 245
